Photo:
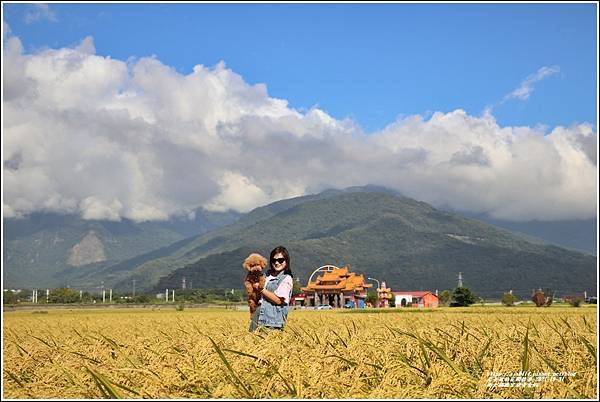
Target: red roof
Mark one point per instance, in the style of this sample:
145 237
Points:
416 294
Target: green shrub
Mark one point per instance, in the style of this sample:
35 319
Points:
463 296
576 302
508 299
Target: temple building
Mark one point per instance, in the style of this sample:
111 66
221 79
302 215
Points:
384 294
336 287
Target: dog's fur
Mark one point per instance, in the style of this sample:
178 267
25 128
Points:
254 265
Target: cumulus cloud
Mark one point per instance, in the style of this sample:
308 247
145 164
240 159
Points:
39 12
112 139
6 31
526 88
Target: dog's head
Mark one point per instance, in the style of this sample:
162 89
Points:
255 263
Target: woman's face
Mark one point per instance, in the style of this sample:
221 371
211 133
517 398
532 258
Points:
278 262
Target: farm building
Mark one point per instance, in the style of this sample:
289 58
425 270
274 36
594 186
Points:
424 299
335 287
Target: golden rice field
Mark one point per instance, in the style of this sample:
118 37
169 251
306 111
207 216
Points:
208 353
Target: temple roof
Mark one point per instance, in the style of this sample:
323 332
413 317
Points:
338 279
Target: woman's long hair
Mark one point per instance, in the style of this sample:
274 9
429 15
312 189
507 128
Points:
286 255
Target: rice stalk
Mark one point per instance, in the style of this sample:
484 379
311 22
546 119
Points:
104 385
525 356
237 382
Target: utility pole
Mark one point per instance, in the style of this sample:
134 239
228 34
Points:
134 288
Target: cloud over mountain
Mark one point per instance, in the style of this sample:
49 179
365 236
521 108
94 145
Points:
109 139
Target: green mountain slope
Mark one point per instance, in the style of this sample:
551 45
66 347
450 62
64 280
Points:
48 250
578 235
226 238
407 243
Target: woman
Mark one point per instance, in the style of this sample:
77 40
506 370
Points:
276 294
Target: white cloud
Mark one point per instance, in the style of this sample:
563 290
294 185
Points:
87 46
6 31
95 208
39 12
526 88
237 192
110 139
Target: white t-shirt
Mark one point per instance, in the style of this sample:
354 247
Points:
284 288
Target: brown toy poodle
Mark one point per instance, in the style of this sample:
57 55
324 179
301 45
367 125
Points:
254 265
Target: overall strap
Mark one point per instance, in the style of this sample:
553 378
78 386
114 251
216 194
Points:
274 283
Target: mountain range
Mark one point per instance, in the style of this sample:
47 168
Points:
45 249
407 243
575 234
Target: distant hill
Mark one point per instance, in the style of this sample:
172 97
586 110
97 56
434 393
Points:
580 235
149 268
48 250
407 243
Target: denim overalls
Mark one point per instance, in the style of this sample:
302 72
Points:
269 314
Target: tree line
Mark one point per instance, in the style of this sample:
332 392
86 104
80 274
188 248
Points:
66 295
459 297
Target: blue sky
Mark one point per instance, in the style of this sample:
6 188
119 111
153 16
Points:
372 63
126 111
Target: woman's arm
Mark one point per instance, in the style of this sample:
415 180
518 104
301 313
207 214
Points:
272 297
268 295
281 295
